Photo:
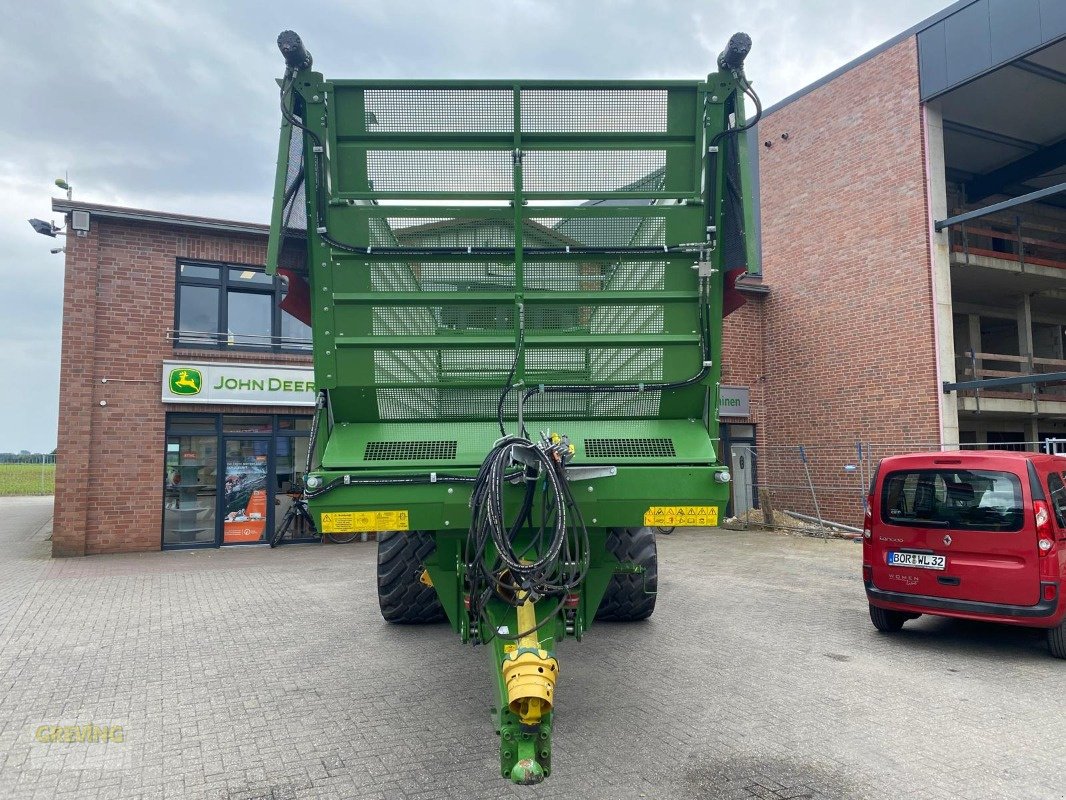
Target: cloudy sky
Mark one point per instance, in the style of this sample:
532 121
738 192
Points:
171 106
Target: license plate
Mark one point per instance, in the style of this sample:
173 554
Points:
919 560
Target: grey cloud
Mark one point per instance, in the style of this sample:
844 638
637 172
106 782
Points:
173 106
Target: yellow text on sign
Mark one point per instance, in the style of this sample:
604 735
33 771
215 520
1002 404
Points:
363 521
681 516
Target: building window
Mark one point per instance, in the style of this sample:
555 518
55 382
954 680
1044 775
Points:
230 478
234 308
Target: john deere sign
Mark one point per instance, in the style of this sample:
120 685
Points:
237 384
186 380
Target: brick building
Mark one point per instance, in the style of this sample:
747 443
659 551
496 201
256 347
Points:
913 240
147 295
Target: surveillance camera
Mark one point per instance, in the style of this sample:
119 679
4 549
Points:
44 228
55 250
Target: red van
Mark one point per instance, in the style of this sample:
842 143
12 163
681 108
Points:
973 534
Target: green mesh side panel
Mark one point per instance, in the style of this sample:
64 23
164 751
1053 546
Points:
451 170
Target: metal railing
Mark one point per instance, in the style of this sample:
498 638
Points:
246 341
977 365
822 488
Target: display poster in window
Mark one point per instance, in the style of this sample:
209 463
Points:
245 492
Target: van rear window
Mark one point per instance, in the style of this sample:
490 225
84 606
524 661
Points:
953 499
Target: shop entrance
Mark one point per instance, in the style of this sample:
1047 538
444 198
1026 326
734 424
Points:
229 479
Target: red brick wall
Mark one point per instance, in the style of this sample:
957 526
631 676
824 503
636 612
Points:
117 308
743 356
849 348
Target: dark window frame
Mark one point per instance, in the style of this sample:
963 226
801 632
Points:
212 426
223 284
892 517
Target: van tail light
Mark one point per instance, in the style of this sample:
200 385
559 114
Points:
868 517
867 574
1051 591
1045 537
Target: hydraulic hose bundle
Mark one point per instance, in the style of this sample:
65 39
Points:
533 557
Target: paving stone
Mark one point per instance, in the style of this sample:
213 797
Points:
255 673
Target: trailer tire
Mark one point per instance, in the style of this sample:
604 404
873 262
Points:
630 596
887 621
403 598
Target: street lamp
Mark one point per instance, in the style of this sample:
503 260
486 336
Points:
46 228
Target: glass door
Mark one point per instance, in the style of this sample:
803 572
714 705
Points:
247 489
190 491
290 456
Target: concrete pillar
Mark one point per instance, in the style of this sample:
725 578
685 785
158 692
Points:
1025 346
975 337
940 265
1025 328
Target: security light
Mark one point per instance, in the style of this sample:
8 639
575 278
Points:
55 250
45 228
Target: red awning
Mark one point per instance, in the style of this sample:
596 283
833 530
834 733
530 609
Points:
297 300
733 298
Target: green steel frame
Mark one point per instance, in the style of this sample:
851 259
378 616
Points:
570 229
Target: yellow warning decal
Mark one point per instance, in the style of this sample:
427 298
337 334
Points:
363 521
681 516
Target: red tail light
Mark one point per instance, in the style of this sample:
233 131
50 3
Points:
868 517
1045 536
1050 591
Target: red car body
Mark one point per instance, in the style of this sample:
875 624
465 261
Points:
975 534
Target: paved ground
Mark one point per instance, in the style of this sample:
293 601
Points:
269 674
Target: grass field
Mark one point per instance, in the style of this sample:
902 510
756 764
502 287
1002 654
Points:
20 479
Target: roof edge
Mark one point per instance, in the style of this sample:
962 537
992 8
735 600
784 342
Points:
160 217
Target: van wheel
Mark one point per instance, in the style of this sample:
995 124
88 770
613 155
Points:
887 621
1056 640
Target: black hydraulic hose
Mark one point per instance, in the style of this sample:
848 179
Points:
529 251
513 576
320 403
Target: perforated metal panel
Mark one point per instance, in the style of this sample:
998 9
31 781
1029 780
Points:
410 451
629 448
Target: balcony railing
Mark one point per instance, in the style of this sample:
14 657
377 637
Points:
972 365
238 341
1026 241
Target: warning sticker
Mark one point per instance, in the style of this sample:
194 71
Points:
363 521
681 516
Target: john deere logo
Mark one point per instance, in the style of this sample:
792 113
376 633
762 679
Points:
186 381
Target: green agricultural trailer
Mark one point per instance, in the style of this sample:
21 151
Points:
516 292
